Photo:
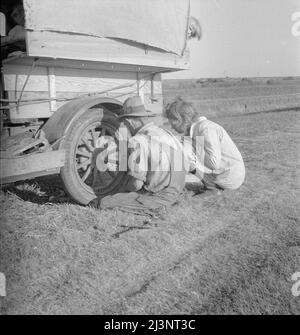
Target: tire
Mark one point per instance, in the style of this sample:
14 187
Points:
77 139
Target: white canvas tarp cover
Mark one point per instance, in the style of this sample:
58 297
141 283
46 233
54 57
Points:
157 23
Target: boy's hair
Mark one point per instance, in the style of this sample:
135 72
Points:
181 113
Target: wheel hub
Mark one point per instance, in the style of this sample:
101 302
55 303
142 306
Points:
97 157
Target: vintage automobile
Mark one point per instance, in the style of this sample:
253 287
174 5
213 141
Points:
65 91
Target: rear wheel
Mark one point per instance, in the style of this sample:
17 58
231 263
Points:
86 144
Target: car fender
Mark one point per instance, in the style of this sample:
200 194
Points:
58 124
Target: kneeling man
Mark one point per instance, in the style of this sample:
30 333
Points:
156 165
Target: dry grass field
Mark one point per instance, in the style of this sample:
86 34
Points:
231 96
232 253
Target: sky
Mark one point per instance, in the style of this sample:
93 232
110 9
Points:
245 38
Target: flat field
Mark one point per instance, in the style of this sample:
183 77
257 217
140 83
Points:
233 253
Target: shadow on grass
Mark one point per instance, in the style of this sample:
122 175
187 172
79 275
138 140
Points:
41 190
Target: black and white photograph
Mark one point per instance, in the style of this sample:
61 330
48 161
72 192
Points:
150 160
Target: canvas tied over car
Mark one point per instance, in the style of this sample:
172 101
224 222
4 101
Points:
140 21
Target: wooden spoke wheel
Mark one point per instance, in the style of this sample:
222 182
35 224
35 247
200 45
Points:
92 161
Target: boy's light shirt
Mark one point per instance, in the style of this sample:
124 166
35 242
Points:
220 151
